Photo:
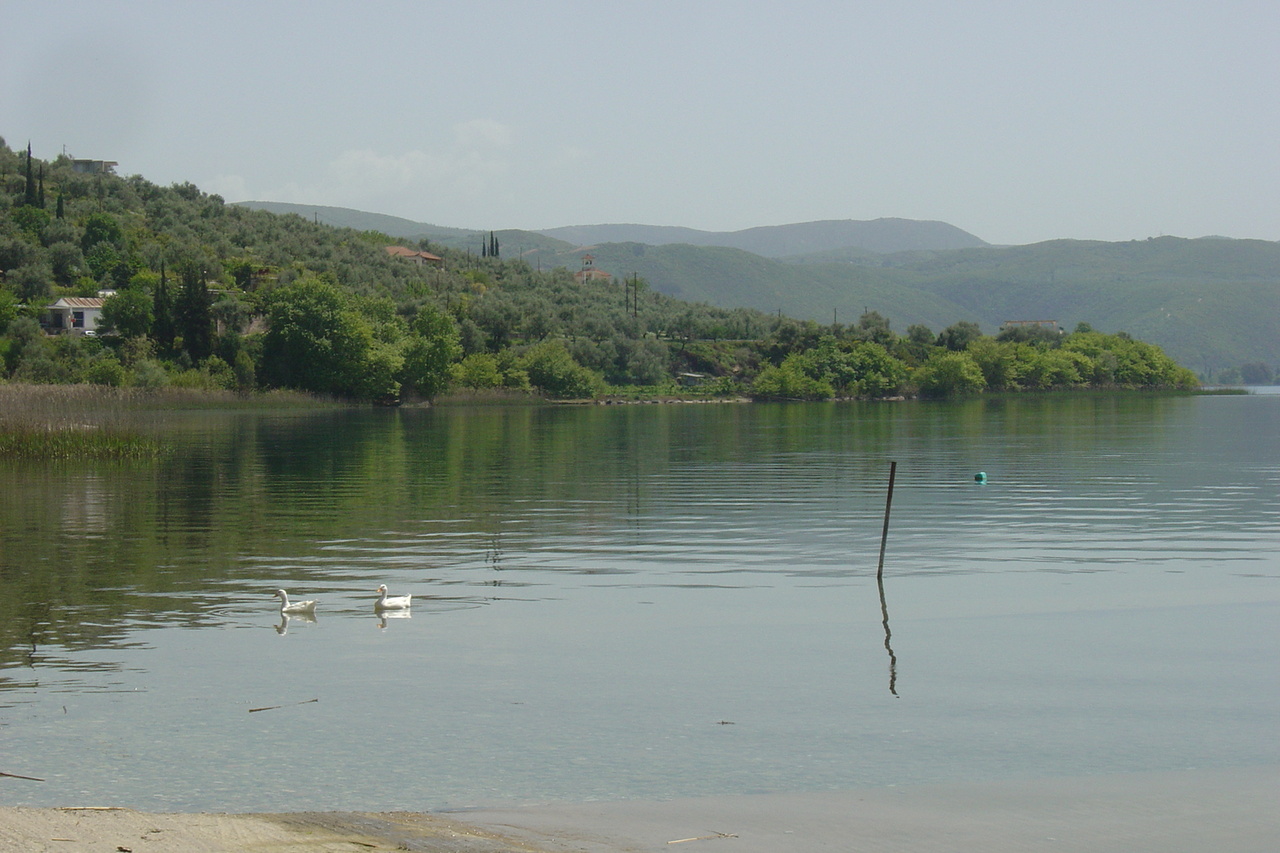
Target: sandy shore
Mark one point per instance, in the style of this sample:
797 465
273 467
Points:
1232 811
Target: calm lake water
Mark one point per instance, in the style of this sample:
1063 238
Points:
642 601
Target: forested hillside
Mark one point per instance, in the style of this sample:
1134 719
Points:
198 293
1212 303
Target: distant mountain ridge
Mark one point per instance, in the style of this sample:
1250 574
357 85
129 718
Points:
879 236
882 236
360 220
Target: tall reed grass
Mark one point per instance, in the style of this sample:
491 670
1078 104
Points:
100 422
68 444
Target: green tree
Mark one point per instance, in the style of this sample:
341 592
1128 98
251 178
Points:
316 341
950 374
1031 334
30 197
103 259
432 346
874 326
16 252
66 261
101 228
192 313
958 336
1000 364
245 372
129 313
33 283
878 374
920 334
552 370
106 370
790 380
8 309
163 329
479 370
1055 368
31 219
1257 373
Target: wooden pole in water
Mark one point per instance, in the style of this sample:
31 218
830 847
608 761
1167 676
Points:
888 503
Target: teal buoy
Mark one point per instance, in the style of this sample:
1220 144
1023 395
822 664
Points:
980 477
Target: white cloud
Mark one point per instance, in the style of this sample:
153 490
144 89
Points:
465 178
457 177
368 171
482 133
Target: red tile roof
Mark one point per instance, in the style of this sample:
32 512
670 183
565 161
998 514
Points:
78 302
406 252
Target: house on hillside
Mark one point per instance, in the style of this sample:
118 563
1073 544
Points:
422 259
75 315
94 167
590 272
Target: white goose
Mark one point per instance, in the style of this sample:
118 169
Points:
390 602
295 607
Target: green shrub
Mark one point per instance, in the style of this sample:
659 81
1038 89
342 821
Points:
149 373
950 374
478 370
106 371
790 381
553 371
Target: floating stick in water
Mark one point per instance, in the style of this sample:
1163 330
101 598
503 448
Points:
275 707
703 837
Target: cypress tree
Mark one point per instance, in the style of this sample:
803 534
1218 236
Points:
193 315
30 194
162 328
60 208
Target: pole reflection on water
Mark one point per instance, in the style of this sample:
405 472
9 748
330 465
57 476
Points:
888 646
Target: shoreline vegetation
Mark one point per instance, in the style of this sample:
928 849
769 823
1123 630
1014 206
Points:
121 283
93 422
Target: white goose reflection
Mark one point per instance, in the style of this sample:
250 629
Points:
384 615
283 627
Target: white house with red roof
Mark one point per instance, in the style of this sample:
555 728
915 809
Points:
75 314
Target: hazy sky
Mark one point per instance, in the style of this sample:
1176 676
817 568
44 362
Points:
1017 121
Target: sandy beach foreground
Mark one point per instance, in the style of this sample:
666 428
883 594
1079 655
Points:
1224 811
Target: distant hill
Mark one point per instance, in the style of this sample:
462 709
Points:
779 241
345 217
514 242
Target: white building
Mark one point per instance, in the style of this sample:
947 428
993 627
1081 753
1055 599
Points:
75 314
